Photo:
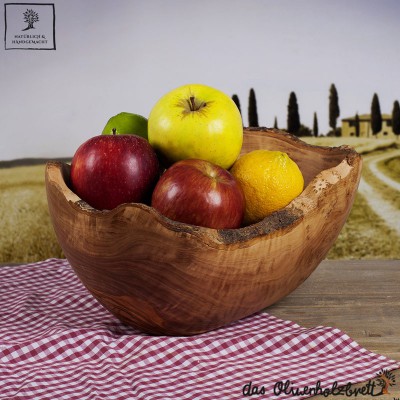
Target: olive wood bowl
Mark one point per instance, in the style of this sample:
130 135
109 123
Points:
169 278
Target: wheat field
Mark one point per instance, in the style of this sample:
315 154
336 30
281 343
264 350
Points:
26 234
361 145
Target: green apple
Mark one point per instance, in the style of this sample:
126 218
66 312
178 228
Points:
196 121
126 123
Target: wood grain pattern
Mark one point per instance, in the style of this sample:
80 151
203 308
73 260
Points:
360 297
170 278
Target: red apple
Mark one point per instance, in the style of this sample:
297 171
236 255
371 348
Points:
108 170
199 192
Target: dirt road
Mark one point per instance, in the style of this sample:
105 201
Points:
385 209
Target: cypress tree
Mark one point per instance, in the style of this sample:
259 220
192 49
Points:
376 116
334 110
293 118
235 98
357 125
276 123
315 125
396 118
253 117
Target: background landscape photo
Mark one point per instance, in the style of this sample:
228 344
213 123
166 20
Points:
324 71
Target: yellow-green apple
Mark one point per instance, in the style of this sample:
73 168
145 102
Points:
108 170
126 123
200 193
196 121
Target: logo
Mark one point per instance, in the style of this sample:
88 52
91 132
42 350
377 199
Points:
31 17
374 387
29 26
385 379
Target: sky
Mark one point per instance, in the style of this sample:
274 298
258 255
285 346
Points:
123 55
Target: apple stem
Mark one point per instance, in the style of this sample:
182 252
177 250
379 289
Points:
192 104
114 131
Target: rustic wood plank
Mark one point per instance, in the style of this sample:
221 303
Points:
360 297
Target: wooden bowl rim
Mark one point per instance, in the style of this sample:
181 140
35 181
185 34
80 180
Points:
278 222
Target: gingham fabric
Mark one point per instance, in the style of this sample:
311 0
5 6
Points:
57 342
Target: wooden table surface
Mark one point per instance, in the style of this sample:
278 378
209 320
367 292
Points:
360 297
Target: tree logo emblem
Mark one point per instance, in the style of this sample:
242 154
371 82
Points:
30 17
385 379
29 26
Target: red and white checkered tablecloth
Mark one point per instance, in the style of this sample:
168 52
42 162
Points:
57 342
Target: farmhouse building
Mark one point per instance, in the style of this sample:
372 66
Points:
349 126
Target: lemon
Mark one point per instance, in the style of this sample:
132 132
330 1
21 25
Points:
270 181
126 123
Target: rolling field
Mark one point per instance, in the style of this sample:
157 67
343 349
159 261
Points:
361 145
26 234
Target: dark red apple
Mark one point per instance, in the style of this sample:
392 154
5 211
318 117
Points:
199 192
108 170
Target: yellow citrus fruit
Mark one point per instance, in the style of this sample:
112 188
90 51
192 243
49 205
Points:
270 181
